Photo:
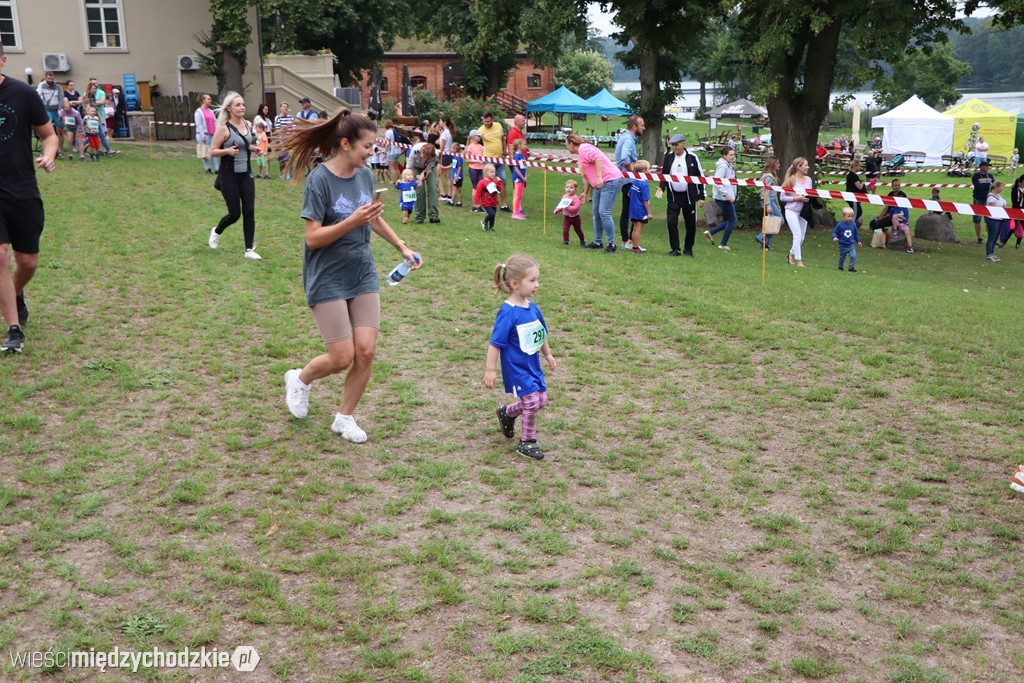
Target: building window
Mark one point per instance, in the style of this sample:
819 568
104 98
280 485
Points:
103 23
9 24
533 81
418 81
383 83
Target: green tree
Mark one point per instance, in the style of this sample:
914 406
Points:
338 25
794 50
931 74
585 72
664 35
488 36
226 43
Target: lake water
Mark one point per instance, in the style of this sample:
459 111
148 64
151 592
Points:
1012 102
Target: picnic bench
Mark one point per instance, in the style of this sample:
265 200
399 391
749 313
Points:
916 158
998 160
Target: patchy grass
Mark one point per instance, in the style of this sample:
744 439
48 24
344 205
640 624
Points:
806 478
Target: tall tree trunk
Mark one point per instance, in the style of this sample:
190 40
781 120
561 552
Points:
703 96
651 106
796 112
232 74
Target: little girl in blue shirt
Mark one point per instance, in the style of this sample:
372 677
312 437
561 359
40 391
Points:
519 333
407 193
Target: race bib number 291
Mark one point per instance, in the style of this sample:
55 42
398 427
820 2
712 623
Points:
531 337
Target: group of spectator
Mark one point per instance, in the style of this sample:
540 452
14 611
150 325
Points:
81 120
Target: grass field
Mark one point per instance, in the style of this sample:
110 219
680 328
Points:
805 479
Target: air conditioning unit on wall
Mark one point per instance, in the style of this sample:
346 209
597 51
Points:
188 63
55 61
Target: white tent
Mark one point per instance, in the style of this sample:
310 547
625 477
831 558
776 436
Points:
915 127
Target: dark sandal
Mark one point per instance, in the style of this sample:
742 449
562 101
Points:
508 424
530 450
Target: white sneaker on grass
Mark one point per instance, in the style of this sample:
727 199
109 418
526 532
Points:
251 254
214 238
347 427
296 394
1017 482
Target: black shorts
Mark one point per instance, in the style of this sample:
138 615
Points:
21 224
457 182
446 159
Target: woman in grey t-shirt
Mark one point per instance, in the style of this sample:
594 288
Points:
338 271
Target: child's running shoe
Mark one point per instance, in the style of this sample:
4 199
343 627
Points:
530 449
508 424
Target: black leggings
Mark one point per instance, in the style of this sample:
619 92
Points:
239 190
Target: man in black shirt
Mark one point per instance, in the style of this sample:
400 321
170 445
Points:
982 181
21 206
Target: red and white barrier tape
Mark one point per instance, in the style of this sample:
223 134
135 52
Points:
171 123
953 185
901 170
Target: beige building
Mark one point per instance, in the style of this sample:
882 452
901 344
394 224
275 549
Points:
80 39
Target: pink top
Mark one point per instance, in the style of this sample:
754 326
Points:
573 210
788 198
211 119
474 149
588 157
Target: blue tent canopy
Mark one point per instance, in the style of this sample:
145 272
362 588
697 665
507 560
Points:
561 101
607 103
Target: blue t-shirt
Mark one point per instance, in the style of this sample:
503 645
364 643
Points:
846 232
403 188
519 334
639 193
456 168
518 156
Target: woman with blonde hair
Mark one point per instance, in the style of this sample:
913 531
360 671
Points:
796 206
338 271
234 139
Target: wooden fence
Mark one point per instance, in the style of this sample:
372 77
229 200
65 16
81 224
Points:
178 109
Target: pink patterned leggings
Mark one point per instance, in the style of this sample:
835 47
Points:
528 406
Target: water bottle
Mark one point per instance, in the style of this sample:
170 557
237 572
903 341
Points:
400 271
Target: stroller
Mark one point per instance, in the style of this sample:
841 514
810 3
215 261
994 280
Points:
893 166
958 167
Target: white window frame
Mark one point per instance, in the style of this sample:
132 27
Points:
13 4
101 5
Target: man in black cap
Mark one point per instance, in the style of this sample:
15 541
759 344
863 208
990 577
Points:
306 112
682 195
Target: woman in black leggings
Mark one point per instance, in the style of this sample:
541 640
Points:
233 138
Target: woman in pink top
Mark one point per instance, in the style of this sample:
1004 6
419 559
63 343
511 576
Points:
600 173
474 150
206 126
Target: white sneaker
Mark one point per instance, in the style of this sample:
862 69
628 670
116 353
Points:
1017 482
214 238
296 394
347 427
628 245
250 253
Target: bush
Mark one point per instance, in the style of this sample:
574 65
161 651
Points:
466 113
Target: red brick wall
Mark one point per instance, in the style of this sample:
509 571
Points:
432 67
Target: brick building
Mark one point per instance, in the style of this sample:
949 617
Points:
439 73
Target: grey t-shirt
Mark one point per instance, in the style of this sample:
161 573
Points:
243 139
344 268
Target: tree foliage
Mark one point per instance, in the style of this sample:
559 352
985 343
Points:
356 33
663 36
794 50
488 36
585 72
226 43
930 74
996 54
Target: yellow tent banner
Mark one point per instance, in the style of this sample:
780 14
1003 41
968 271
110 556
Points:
974 119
